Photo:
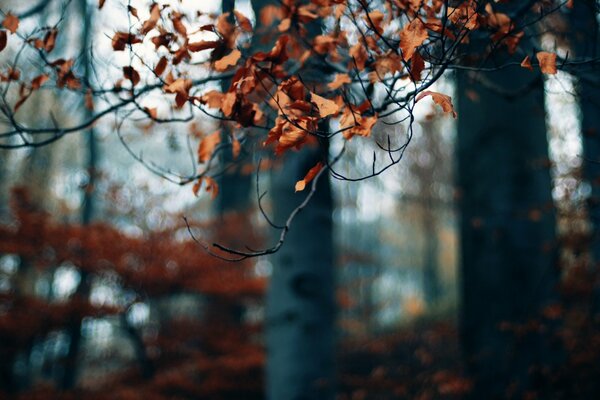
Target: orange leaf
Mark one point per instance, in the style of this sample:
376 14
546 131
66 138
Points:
207 146
326 107
11 22
227 61
526 63
301 184
440 99
243 21
547 62
152 112
213 98
212 187
180 85
339 81
151 22
412 36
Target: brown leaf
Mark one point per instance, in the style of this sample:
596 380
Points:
412 36
38 81
440 99
211 186
326 107
151 22
204 45
207 146
180 85
133 11
417 65
547 62
213 99
152 112
243 21
310 175
101 3
526 63
228 61
11 22
160 66
121 39
131 74
3 39
50 40
339 81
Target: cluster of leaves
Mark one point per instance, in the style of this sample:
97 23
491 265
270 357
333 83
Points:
350 63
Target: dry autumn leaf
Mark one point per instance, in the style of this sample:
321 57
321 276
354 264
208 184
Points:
207 146
440 99
228 61
38 81
412 36
310 175
203 45
526 63
160 66
11 22
326 107
547 62
151 22
131 74
339 81
50 40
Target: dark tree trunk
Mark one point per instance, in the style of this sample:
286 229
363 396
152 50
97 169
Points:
507 227
69 379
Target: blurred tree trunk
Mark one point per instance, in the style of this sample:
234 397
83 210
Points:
300 301
585 43
234 186
507 226
301 297
69 379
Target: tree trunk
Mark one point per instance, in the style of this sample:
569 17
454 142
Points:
507 227
69 379
300 301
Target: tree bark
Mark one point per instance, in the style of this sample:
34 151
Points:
69 378
507 227
300 301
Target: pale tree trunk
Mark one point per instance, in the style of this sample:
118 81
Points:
300 301
507 227
300 316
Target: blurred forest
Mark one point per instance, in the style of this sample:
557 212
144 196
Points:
467 271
